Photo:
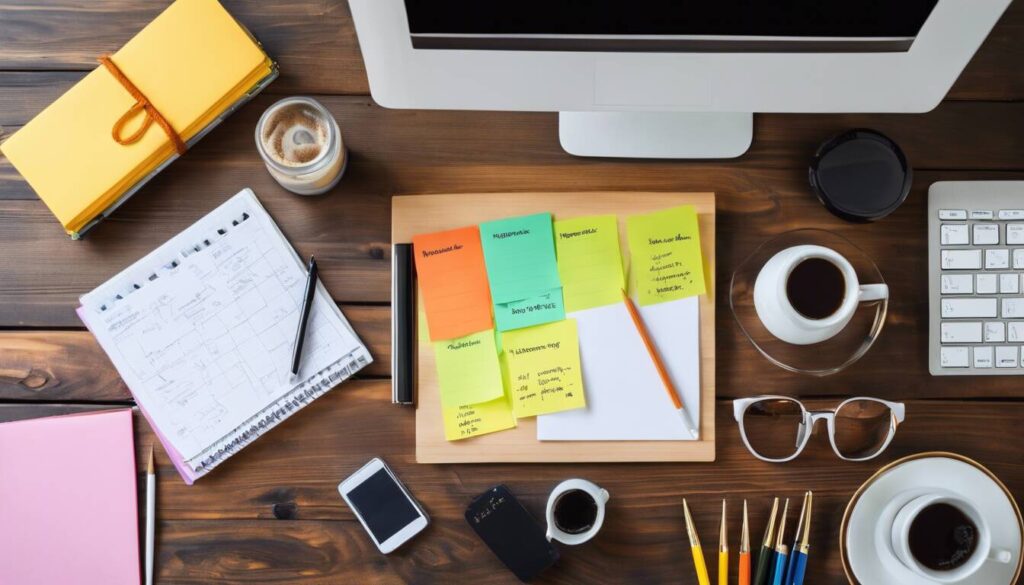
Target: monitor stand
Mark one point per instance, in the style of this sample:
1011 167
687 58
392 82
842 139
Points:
656 134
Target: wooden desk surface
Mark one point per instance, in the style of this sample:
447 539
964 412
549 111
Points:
273 515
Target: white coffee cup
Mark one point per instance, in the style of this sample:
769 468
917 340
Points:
598 494
777 312
984 551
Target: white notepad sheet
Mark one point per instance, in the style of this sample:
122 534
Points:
202 331
626 400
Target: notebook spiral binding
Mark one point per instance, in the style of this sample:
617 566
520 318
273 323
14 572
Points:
172 264
276 413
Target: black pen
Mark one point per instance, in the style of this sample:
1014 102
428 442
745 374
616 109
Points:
307 304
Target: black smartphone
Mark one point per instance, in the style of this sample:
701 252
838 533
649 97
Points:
509 530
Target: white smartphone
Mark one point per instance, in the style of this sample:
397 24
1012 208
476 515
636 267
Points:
388 512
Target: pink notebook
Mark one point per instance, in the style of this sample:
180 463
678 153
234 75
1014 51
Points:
68 511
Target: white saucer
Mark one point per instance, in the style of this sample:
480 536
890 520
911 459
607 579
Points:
865 542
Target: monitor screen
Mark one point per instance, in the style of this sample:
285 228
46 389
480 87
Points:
668 25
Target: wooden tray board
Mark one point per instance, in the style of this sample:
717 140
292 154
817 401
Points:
417 214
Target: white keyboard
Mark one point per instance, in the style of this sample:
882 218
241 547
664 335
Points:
976 278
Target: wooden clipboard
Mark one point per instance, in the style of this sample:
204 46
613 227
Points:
416 214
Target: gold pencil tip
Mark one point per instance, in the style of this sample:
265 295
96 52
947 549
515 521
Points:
770 530
723 541
745 531
780 537
691 530
807 522
150 468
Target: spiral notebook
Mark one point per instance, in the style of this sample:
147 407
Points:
202 329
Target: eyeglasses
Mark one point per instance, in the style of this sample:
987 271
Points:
777 428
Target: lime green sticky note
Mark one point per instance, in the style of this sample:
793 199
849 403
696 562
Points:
665 255
543 368
589 261
468 369
543 308
520 256
471 420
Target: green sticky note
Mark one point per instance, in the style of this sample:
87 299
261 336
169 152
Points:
589 261
543 368
665 256
468 370
543 308
520 257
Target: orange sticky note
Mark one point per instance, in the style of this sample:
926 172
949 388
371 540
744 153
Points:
453 281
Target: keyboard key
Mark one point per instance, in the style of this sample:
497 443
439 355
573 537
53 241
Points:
1016 329
995 332
1006 356
957 284
1012 308
969 308
952 234
1011 214
953 357
983 357
987 284
961 259
986 234
1009 284
982 214
997 259
1014 233
957 332
953 214
1018 259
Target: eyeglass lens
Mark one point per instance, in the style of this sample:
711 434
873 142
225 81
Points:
862 427
772 427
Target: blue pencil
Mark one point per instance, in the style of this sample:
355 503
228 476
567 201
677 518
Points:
802 551
791 565
781 552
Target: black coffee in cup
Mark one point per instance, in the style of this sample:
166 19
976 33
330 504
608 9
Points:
942 537
816 288
575 512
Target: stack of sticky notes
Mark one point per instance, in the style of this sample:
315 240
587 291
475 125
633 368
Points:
194 63
495 298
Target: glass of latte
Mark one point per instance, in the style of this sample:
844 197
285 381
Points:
301 144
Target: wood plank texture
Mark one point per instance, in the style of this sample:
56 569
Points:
273 514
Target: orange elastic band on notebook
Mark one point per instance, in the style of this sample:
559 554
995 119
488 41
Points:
141 104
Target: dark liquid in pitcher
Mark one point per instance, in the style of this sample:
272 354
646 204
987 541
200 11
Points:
816 288
942 537
575 512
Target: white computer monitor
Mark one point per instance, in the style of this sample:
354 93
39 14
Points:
668 78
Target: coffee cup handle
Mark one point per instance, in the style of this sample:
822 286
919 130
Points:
1000 555
873 292
604 496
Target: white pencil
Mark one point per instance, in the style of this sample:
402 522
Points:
150 516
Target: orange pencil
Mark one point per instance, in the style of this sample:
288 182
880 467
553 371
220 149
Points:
662 372
745 549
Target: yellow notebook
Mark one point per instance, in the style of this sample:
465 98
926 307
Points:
194 63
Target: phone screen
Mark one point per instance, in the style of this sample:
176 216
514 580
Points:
383 505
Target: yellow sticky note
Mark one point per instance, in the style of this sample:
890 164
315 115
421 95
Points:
589 261
468 370
543 368
462 422
665 255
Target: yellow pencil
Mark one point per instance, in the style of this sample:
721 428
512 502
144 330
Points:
723 552
698 554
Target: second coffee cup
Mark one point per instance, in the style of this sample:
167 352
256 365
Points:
806 294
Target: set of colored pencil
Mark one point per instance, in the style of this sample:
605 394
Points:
776 565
